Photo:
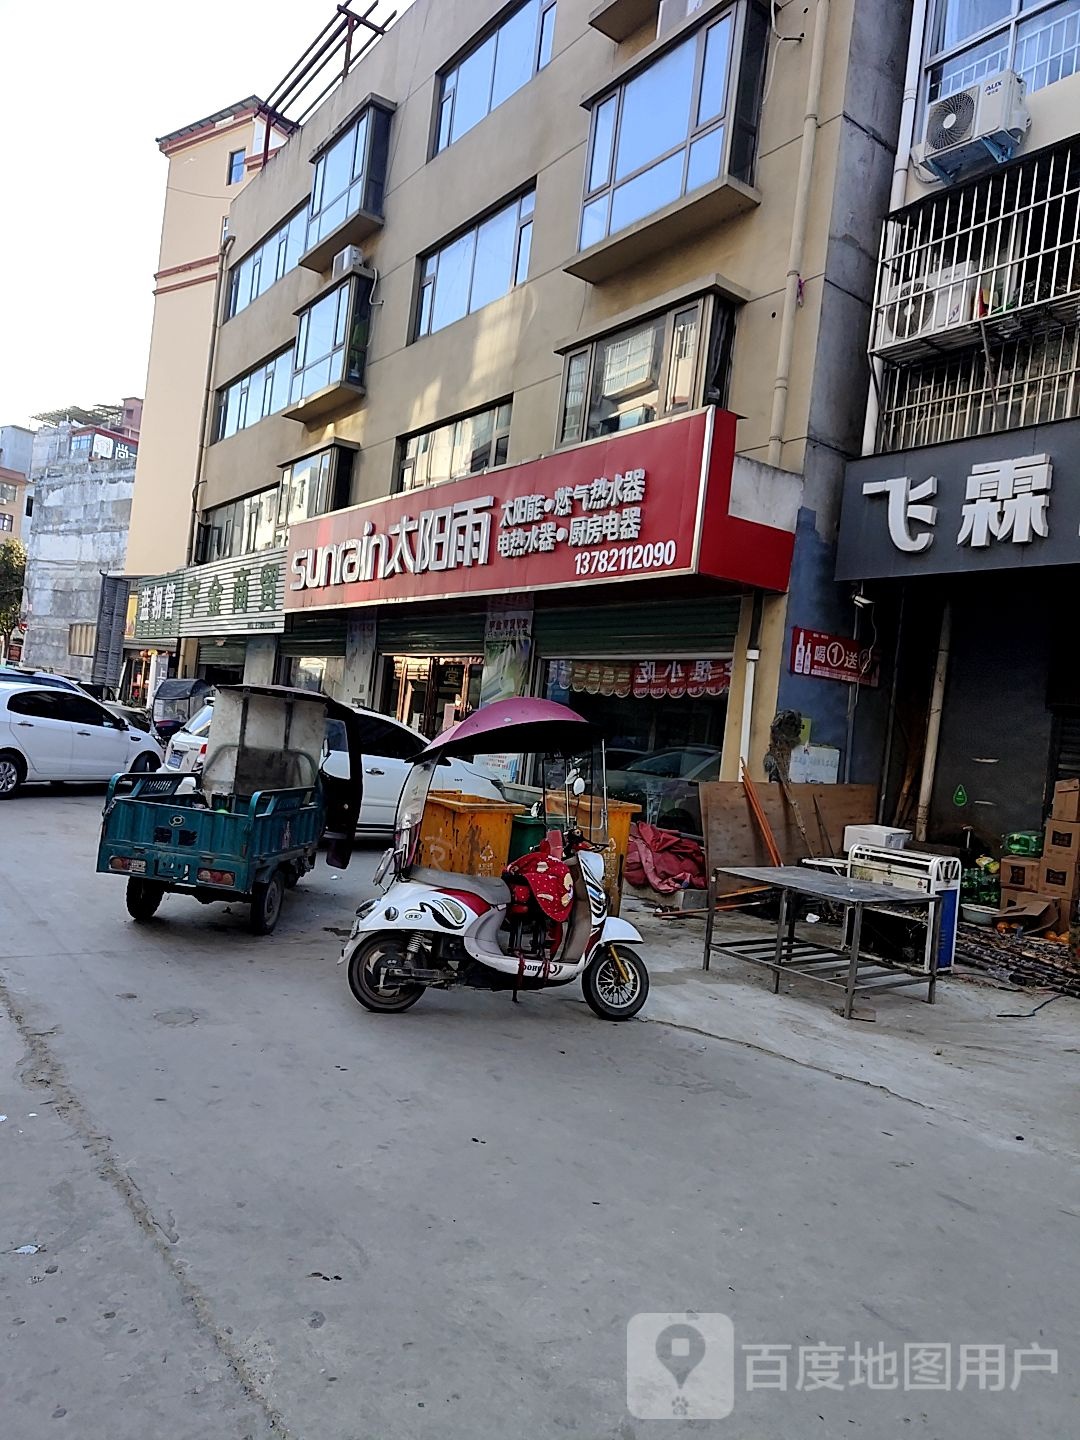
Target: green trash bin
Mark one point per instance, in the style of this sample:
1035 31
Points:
526 832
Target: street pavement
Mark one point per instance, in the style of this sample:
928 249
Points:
260 1211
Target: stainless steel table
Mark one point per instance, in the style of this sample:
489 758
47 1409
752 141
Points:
842 966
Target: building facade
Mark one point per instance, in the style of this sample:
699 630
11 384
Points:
83 478
535 360
960 528
16 504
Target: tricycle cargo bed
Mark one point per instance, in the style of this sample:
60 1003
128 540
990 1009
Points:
153 830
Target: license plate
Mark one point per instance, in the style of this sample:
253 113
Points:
137 867
174 759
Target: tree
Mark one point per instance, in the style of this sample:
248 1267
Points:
12 576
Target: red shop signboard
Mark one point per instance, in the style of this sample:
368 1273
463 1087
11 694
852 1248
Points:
833 657
648 502
647 678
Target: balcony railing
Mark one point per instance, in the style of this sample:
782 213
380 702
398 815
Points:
996 259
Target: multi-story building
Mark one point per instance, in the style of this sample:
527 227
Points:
83 478
16 507
541 351
963 518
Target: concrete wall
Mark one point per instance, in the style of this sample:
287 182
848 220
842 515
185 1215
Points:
81 515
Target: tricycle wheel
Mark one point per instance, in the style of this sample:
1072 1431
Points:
615 983
293 875
266 904
366 966
143 898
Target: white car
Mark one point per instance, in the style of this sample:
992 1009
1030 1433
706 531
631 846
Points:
47 733
389 749
186 750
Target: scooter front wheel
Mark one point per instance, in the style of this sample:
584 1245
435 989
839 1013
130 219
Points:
615 983
367 966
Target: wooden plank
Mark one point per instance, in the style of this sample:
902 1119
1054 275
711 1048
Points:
733 838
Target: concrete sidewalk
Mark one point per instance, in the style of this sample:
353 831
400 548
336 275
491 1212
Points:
1006 1078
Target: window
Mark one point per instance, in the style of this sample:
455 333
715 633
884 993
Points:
684 121
42 704
971 39
332 339
81 710
461 447
7 522
250 397
236 167
29 505
267 263
239 527
494 69
82 639
7 492
80 444
476 268
314 485
654 368
350 174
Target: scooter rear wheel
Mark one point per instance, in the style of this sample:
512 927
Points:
616 983
366 966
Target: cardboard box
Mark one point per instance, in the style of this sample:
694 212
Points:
1061 840
1035 912
885 837
1058 878
1066 800
1020 872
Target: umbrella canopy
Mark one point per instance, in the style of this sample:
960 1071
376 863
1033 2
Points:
517 724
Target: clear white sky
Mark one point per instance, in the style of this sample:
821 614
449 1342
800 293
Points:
87 85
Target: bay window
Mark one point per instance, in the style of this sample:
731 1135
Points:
656 367
477 267
348 186
331 344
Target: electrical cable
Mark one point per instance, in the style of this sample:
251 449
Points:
1027 1014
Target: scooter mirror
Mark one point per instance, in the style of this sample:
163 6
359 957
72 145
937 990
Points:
578 786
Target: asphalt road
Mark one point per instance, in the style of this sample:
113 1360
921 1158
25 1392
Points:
262 1211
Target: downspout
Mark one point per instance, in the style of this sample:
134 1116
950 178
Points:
196 489
799 220
933 723
898 192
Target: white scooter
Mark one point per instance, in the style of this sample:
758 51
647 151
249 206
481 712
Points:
543 922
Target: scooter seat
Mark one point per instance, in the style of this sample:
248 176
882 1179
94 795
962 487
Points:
487 887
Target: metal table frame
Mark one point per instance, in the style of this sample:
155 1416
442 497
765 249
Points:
842 967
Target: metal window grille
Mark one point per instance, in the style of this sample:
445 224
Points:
1040 42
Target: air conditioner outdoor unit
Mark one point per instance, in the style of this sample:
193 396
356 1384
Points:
936 301
985 122
347 260
672 12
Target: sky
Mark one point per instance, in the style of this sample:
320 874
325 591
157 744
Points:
87 86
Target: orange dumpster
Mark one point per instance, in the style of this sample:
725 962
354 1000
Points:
466 834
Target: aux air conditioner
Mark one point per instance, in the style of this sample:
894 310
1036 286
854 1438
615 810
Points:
982 124
674 12
347 260
936 301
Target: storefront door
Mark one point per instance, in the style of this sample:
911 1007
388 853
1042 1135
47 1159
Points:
430 692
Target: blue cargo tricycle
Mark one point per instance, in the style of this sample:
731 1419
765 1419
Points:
247 827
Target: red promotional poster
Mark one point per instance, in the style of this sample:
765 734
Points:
833 657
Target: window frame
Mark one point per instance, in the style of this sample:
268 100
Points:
404 465
231 177
275 246
525 201
235 519
708 306
7 523
357 311
446 89
736 15
242 384
1008 27
338 486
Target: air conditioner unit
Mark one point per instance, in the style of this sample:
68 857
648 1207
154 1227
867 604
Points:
673 12
936 301
347 260
985 122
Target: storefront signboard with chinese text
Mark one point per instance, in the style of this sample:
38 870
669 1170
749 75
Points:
656 501
243 595
158 599
994 502
644 679
833 657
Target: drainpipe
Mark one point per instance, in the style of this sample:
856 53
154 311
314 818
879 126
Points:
799 221
933 723
753 655
196 489
899 189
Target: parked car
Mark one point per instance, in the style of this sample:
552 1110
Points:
186 749
389 747
135 715
16 675
49 733
665 785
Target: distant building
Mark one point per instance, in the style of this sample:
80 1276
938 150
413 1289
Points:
83 477
16 450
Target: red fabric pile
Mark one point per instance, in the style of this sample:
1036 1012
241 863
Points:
665 860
